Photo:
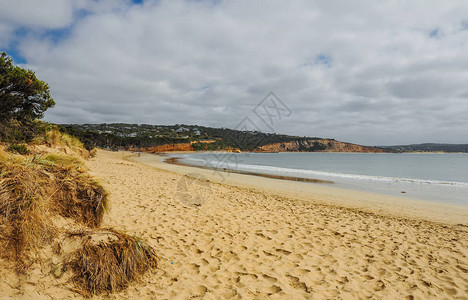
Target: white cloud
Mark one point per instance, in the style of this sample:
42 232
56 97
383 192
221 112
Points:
357 71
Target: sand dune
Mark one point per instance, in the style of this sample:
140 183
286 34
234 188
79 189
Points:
217 241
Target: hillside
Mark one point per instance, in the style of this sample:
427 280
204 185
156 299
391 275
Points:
161 138
318 145
430 147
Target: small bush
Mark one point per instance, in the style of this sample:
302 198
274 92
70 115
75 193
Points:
18 148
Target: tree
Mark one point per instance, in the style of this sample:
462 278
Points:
23 97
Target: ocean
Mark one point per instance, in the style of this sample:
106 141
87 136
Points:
435 177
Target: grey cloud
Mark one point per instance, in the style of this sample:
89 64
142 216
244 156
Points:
381 78
44 13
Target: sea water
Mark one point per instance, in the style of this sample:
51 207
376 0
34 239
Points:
435 177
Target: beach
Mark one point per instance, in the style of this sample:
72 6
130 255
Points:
237 236
244 241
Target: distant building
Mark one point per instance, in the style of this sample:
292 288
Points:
181 129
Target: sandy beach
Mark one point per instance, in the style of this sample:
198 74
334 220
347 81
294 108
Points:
250 243
255 238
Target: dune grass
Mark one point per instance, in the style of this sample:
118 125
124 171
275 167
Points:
25 224
111 263
54 137
78 195
34 189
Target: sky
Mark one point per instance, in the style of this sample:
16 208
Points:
367 72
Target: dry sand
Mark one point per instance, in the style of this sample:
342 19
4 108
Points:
256 238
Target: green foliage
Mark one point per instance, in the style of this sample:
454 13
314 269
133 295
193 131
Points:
128 136
430 147
23 99
18 148
17 132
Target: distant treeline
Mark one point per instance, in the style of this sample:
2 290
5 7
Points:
133 136
428 147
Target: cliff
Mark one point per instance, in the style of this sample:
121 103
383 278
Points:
302 145
318 145
168 148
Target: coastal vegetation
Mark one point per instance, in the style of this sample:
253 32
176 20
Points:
431 147
51 209
24 99
128 136
182 137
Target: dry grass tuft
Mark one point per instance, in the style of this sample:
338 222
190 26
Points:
24 220
109 261
57 141
56 138
62 160
78 195
81 198
32 190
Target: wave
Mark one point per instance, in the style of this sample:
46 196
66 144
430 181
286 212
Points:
312 173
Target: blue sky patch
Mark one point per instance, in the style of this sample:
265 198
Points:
434 33
57 35
13 53
323 59
212 3
464 25
12 48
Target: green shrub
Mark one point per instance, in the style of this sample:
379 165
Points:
18 148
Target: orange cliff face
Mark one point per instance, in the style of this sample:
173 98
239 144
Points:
169 148
318 145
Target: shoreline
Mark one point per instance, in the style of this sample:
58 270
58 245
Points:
223 151
327 194
176 161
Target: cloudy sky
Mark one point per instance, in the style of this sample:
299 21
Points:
369 72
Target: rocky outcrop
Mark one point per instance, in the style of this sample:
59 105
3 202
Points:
318 145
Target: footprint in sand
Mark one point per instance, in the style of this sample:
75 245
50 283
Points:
193 269
269 278
296 283
273 289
